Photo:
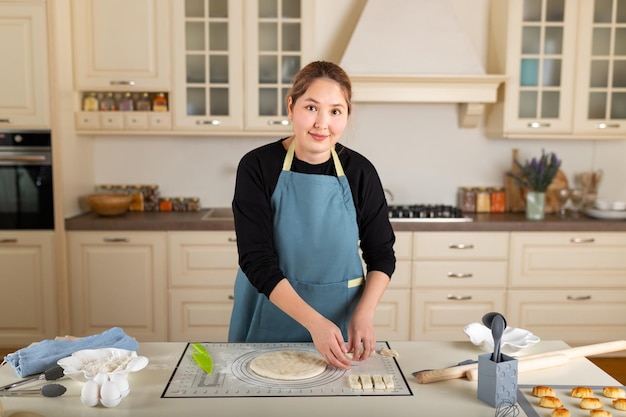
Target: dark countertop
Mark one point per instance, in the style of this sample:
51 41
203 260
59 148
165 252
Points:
192 221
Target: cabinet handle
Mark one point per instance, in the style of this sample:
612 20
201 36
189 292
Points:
122 82
284 122
232 239
459 297
5 120
231 297
608 125
460 275
116 239
537 125
213 122
461 246
582 240
9 240
578 297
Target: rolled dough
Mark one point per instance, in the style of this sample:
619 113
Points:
288 365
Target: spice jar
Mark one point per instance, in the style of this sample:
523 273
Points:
136 203
193 204
483 200
498 200
150 197
165 204
467 199
178 204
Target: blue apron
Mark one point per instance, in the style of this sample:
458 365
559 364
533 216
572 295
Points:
316 239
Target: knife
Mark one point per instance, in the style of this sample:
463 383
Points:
202 358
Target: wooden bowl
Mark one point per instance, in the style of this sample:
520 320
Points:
109 204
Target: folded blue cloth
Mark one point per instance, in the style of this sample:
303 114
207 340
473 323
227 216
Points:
39 357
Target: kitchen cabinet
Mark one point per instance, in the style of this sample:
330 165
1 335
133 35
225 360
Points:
28 302
568 286
457 277
202 271
119 279
24 102
120 47
566 69
214 91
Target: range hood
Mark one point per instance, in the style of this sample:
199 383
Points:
416 51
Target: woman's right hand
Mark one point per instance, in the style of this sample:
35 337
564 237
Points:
329 343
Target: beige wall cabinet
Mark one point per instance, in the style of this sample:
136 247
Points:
28 308
568 286
537 44
24 101
215 91
121 47
457 278
118 279
202 270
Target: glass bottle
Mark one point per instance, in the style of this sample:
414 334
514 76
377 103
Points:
467 200
159 103
144 103
90 102
108 103
126 103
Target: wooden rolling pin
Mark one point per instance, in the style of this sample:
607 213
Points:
538 361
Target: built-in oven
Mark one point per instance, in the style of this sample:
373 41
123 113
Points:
26 197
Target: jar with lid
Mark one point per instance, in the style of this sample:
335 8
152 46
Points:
159 103
108 103
467 199
483 200
136 203
144 103
150 197
193 204
126 103
90 102
498 200
165 204
178 204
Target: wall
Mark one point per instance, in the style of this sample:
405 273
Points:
420 153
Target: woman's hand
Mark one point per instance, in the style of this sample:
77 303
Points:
329 343
361 336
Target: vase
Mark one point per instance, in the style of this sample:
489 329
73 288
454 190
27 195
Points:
535 205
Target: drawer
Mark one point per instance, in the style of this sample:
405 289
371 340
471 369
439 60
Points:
392 317
460 245
580 259
403 245
136 120
575 316
402 276
455 274
442 314
200 315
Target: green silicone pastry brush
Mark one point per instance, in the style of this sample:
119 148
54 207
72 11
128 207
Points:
202 358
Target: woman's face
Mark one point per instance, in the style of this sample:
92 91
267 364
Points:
319 118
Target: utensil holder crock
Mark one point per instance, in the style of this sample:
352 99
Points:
497 381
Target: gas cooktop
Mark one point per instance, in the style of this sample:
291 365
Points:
427 213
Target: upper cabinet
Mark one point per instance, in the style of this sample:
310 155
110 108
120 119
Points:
566 69
234 61
24 101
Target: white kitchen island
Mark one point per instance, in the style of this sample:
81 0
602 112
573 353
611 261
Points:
447 398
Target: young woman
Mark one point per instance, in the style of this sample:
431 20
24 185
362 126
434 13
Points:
302 205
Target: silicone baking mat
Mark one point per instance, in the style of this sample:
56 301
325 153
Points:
530 404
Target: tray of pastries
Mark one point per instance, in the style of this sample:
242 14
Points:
572 401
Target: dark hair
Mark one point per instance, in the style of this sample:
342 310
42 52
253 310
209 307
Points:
320 69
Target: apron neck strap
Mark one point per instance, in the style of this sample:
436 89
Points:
291 151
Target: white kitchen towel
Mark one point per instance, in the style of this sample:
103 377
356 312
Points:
39 357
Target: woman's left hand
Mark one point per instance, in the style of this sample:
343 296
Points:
361 337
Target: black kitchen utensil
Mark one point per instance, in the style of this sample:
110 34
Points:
50 390
497 323
51 374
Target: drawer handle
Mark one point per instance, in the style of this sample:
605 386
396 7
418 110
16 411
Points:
283 122
9 240
578 297
5 120
231 297
582 240
607 125
459 297
213 122
461 246
460 275
536 125
122 82
116 239
232 239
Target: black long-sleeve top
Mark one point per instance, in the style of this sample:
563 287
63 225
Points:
257 175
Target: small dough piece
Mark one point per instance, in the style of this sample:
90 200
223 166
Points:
378 382
355 382
388 380
542 391
620 404
600 413
561 412
590 403
366 381
389 352
549 401
581 392
288 365
614 392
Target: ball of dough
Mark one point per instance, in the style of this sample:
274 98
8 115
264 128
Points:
549 401
582 392
591 403
620 404
600 413
614 392
561 412
542 391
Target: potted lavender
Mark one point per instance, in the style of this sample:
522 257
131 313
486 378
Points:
536 176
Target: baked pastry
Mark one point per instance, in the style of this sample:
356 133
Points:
581 392
614 392
591 403
600 413
620 404
549 401
542 391
561 412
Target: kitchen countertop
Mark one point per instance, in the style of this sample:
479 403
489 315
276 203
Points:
447 398
505 222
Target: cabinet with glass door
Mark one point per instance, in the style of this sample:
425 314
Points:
234 61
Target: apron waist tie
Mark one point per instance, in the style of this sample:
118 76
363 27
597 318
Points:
355 282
